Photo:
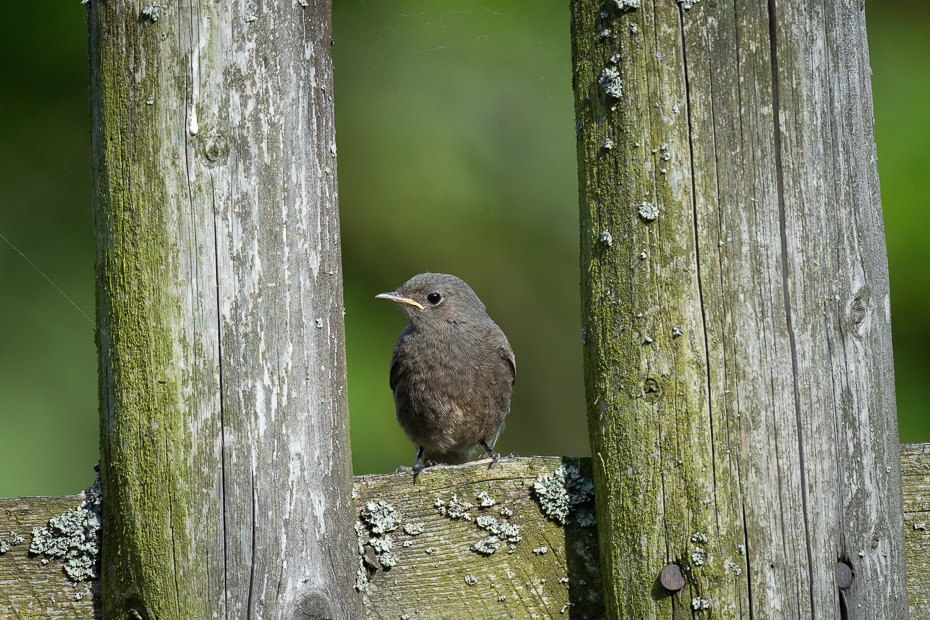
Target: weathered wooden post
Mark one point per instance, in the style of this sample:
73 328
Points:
738 345
224 427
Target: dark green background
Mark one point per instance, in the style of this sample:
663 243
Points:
456 153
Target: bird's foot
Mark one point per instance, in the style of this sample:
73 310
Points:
513 455
490 453
417 468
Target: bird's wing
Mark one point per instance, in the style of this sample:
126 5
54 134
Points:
397 368
506 353
396 371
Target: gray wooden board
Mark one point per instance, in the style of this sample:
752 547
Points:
734 286
438 575
28 588
224 417
915 479
432 585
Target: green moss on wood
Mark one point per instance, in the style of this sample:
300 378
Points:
644 359
140 395
448 569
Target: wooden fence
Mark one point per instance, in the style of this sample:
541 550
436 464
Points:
553 571
735 324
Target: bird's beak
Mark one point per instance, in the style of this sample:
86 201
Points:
398 298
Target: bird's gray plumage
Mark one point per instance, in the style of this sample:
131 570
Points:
452 371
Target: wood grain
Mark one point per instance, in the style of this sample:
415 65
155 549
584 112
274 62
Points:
29 589
435 569
738 364
225 447
428 580
915 479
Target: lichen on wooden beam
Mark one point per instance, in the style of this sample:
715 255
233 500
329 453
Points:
428 577
31 589
915 480
442 570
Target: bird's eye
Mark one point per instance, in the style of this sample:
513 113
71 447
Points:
434 298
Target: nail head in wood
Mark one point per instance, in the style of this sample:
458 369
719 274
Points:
671 578
844 575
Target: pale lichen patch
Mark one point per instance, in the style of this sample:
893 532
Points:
698 603
150 11
500 532
611 83
487 546
74 536
381 517
560 492
648 211
485 500
455 508
627 5
414 528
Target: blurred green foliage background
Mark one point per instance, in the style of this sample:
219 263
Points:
456 153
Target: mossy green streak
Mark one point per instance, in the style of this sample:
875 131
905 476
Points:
140 430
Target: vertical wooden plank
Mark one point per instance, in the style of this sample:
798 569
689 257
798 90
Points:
750 371
915 483
645 359
224 427
838 285
757 119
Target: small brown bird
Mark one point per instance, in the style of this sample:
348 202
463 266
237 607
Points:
452 371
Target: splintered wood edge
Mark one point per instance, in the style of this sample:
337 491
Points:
432 584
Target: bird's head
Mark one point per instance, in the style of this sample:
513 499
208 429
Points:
437 298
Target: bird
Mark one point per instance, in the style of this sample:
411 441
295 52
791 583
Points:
452 371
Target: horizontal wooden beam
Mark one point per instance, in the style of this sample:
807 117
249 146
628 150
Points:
442 561
915 483
29 588
444 572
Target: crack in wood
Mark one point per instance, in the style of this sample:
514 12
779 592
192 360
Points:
782 221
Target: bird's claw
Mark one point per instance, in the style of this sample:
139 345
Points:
491 454
417 468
